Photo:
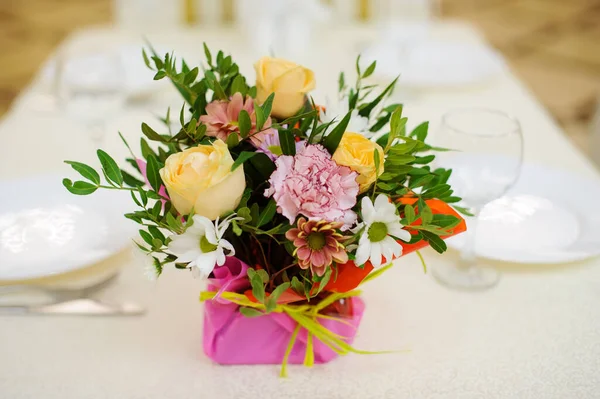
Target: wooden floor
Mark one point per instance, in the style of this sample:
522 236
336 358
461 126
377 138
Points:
553 45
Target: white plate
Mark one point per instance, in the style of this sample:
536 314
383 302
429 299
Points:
549 216
428 63
45 230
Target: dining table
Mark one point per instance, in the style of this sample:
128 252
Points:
535 335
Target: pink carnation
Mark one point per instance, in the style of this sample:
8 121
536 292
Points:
312 184
222 118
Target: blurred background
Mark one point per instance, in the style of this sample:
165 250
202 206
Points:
552 45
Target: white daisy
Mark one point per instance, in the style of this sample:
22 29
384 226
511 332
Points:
381 227
202 245
357 124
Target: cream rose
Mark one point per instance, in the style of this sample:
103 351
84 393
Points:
200 178
290 83
357 152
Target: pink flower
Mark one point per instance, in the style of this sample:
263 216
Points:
313 185
271 146
222 118
318 244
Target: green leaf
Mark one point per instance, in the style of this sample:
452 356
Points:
420 132
377 161
263 164
258 289
267 106
381 122
260 117
146 237
341 82
251 312
174 223
263 275
421 181
146 59
146 150
297 285
79 187
245 123
110 168
152 173
409 214
435 241
151 134
160 75
239 85
436 191
396 159
236 228
424 160
288 144
243 157
370 70
131 181
358 65
445 221
366 110
191 76
207 54
245 213
233 140
86 171
272 301
332 140
464 211
219 92
426 215
267 214
156 233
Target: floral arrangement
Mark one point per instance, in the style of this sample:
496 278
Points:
283 205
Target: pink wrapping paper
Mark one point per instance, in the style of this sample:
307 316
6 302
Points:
231 338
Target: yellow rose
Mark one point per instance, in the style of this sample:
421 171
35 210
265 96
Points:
290 83
357 152
201 178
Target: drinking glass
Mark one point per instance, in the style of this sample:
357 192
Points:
485 158
91 88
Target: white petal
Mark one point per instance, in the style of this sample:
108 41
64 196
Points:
183 243
364 250
199 225
209 231
206 263
367 210
189 256
393 245
226 245
220 256
381 201
376 254
396 230
387 252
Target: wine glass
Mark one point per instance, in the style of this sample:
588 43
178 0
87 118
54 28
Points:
91 88
486 158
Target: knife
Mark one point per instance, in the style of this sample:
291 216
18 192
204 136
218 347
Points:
76 307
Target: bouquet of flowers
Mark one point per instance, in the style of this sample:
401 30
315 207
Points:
284 206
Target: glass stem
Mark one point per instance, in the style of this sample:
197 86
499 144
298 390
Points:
468 255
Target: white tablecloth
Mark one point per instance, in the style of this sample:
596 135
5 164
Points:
536 335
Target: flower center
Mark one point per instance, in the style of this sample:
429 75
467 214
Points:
377 232
206 246
316 241
275 150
